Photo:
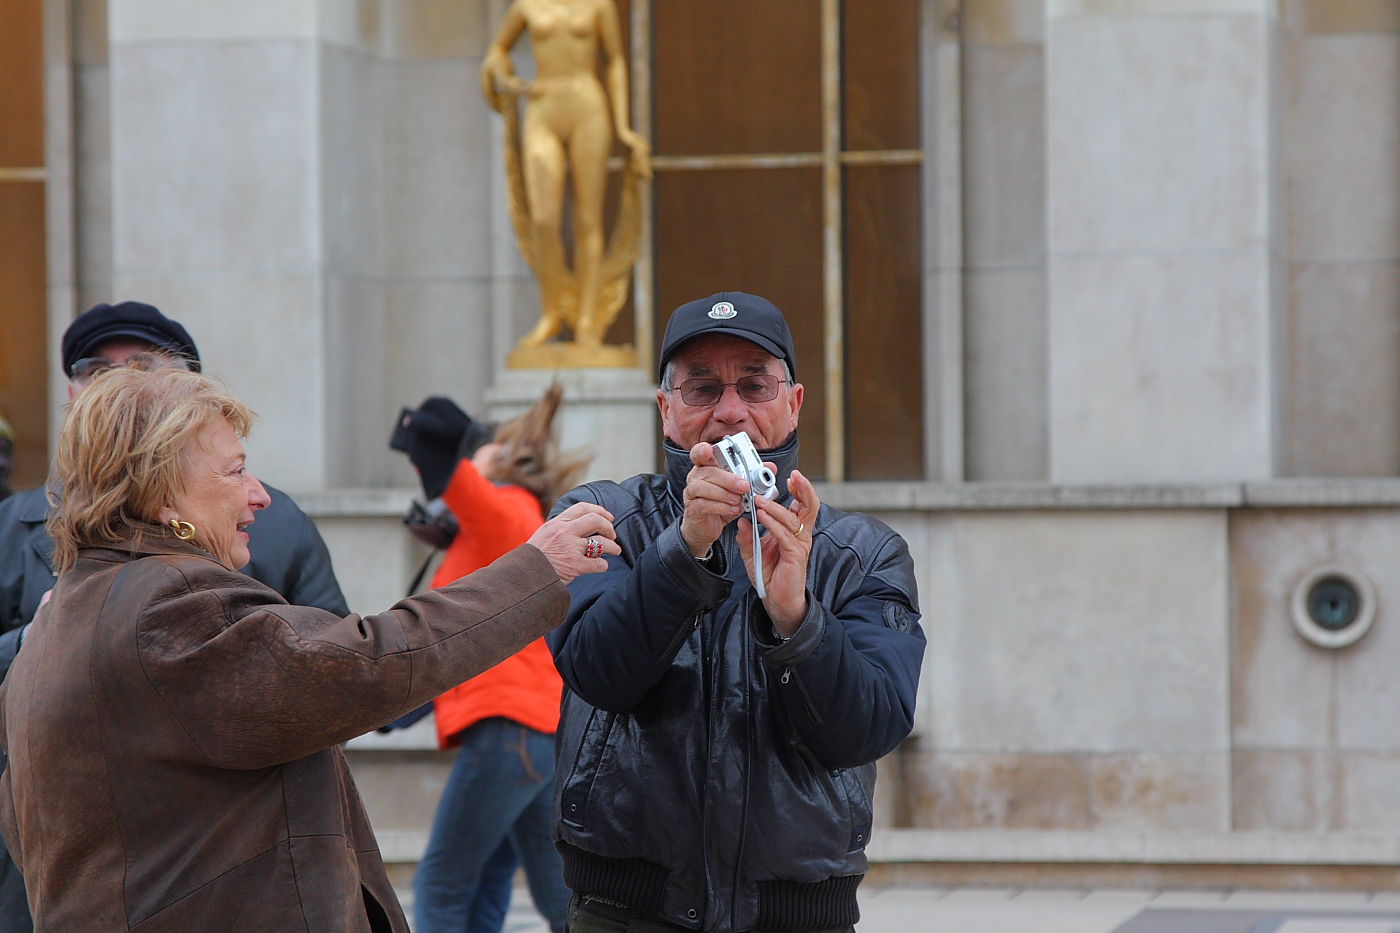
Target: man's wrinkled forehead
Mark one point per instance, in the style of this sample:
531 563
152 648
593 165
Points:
704 355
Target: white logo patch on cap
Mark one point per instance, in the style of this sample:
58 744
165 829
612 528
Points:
723 311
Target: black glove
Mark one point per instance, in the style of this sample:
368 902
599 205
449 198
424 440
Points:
432 437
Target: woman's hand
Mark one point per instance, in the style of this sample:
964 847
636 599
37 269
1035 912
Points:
641 151
565 538
499 81
785 550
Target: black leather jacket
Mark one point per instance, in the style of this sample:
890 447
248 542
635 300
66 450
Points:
709 774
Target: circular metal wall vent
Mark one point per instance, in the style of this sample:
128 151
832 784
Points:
1333 605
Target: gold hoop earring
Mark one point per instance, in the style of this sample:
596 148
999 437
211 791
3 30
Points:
183 530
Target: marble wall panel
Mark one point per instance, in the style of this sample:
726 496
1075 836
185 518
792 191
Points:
1078 631
358 415
1109 793
1342 127
1004 351
89 25
351 143
438 179
1157 132
92 194
1004 154
1369 798
1287 693
1281 686
435 28
374 559
1006 358
1283 790
1367 688
400 790
437 342
988 21
1146 792
164 20
214 156
998 791
1160 367
263 334
1344 369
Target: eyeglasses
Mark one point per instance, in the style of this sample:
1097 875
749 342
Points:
706 393
89 368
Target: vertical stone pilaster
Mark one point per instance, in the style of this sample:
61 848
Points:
216 202
1162 274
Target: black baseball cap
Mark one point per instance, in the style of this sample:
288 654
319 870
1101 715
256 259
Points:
131 320
755 319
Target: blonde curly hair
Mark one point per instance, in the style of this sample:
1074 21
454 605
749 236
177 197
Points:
122 453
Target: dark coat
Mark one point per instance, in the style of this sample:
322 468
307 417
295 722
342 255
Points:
708 773
288 555
174 729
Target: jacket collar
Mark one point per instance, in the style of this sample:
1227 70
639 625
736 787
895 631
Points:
678 464
33 506
155 540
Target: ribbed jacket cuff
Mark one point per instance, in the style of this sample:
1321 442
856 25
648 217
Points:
788 905
629 882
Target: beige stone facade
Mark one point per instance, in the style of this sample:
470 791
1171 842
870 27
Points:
1161 376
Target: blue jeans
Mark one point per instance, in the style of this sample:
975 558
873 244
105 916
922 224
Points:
500 791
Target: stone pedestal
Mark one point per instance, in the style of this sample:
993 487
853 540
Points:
611 412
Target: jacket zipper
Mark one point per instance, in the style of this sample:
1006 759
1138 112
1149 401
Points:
790 674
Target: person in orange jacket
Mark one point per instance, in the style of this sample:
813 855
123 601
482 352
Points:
496 806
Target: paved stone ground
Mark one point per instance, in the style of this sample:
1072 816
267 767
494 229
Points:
1005 910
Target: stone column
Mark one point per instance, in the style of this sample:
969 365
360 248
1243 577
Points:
1161 242
235 211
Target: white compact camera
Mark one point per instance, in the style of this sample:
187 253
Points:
738 455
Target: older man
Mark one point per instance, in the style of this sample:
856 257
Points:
288 554
717 749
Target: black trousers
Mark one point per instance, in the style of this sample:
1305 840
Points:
14 904
590 916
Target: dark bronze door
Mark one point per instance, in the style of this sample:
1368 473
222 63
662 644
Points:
23 264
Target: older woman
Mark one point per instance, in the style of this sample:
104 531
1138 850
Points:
173 725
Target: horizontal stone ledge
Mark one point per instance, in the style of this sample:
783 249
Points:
1381 492
1242 848
1047 847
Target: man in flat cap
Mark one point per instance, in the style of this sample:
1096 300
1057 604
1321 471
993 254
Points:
716 751
288 554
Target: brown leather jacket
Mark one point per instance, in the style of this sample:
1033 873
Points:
174 729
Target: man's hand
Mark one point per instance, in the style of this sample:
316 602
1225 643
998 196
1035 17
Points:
785 550
712 500
564 540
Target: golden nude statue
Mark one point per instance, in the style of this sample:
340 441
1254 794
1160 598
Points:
568 132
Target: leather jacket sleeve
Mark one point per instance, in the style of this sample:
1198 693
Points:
255 682
849 676
627 624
